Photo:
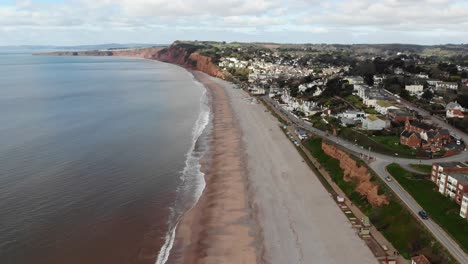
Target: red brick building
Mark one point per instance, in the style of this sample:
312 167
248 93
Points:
410 139
426 136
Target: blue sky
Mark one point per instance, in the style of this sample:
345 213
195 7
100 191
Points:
75 22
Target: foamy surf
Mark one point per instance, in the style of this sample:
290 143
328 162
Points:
193 179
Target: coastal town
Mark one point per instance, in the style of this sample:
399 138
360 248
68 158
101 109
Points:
382 127
401 105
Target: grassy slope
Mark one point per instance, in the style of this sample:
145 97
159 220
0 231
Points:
393 220
440 208
422 168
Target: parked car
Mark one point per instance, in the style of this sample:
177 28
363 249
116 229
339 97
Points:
423 214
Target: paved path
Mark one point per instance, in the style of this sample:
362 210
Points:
379 166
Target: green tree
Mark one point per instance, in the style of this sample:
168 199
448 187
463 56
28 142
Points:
428 95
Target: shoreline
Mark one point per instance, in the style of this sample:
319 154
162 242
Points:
220 228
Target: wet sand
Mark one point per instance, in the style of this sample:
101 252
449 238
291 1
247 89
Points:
262 203
221 227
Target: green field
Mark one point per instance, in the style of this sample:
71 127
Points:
440 208
395 222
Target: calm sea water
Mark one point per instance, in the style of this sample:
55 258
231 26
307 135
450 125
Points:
92 151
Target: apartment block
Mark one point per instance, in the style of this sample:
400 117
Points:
451 179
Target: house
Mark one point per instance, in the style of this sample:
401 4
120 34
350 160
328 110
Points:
425 136
374 123
443 86
400 116
454 110
354 79
451 179
383 106
433 82
410 139
352 114
414 89
419 127
378 79
351 118
421 259
370 96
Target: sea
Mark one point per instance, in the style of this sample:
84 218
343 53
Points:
99 157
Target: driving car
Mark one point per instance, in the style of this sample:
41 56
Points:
423 215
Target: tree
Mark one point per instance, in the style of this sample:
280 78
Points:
405 94
428 95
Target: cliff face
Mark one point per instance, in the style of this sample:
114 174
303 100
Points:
185 56
192 60
353 172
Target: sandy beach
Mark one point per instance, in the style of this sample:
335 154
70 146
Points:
220 228
262 203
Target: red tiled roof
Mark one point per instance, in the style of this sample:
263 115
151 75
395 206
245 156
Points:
421 259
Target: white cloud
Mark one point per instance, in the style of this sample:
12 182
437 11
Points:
423 21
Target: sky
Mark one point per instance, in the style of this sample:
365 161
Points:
80 22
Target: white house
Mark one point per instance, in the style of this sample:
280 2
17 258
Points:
433 82
382 106
354 79
447 86
454 110
414 89
374 123
352 114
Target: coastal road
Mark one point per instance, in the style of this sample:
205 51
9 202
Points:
463 156
379 166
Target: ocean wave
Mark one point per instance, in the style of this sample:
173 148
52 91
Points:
192 178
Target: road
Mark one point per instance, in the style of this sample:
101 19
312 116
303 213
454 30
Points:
379 165
463 156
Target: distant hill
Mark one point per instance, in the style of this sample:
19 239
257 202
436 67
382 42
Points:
108 46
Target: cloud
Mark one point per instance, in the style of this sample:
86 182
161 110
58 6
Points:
422 21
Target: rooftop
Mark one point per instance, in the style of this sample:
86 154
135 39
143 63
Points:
372 117
453 165
460 176
421 125
421 259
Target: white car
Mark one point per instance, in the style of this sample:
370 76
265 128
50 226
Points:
388 179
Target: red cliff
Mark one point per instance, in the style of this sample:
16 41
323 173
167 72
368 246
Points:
353 172
186 58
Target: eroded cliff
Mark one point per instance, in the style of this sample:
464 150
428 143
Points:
190 59
353 172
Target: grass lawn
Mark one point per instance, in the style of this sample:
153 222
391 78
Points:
393 142
355 101
440 208
395 222
380 144
422 168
